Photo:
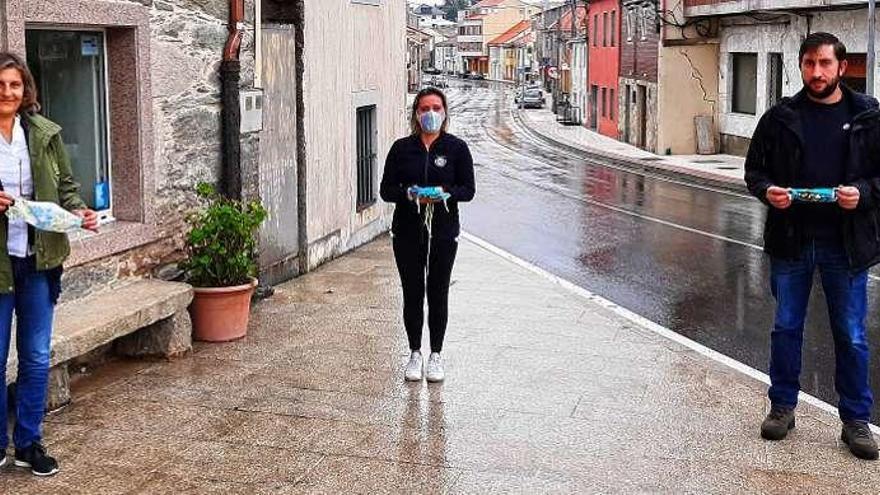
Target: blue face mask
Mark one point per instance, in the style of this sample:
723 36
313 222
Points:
432 121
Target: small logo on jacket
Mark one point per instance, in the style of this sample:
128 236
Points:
440 161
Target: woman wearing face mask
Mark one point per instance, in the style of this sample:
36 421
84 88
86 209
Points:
425 229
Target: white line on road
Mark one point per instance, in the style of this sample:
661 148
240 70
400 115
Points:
631 213
648 324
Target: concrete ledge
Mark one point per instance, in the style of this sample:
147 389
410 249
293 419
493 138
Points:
149 316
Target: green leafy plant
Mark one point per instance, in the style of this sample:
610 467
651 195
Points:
221 245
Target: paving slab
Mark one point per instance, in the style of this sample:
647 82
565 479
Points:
547 392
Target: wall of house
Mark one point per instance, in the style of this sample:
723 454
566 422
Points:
605 64
164 122
744 35
687 88
340 76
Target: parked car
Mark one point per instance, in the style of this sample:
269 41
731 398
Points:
532 98
476 76
439 82
431 70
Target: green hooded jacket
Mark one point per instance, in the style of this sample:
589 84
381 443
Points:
53 181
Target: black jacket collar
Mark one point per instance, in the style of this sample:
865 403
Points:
786 111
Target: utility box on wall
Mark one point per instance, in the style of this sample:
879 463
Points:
251 110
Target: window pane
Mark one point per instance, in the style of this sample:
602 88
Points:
613 27
605 29
366 156
69 70
745 82
604 102
611 104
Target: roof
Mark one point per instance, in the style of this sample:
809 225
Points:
524 40
512 33
488 3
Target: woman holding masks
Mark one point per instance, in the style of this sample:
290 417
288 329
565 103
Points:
33 164
425 228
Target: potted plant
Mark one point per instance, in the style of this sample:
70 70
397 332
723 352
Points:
221 265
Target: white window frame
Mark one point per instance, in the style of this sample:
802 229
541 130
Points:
629 24
104 216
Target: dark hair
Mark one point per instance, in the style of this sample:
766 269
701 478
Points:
414 119
12 61
816 40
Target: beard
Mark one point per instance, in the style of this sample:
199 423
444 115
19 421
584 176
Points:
830 88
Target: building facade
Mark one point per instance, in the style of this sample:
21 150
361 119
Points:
431 17
505 51
484 22
604 27
639 52
757 61
138 92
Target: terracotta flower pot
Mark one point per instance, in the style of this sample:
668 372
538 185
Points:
221 314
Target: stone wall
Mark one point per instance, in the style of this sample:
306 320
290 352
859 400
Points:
185 46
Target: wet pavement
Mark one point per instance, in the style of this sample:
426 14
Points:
682 254
546 392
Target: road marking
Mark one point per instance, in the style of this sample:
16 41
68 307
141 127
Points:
647 324
625 211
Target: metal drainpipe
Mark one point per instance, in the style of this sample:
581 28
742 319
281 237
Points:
230 75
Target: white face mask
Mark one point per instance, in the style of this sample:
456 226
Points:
432 121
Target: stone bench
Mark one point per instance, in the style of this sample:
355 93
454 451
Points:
144 318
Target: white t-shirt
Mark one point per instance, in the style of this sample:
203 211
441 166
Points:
15 172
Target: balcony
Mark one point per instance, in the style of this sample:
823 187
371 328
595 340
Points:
704 8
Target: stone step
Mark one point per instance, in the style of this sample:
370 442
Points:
148 316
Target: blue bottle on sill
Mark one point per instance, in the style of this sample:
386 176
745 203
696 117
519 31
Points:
102 196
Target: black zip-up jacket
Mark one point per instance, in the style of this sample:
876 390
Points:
448 164
775 158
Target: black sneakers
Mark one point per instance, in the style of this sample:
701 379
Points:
777 423
860 440
35 457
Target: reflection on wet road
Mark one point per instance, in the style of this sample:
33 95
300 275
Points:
683 255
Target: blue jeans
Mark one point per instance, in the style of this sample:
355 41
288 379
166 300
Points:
34 312
846 296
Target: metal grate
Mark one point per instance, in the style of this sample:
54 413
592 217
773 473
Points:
366 157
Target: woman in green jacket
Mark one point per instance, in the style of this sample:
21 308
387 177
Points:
33 164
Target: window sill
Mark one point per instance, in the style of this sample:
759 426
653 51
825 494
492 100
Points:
112 238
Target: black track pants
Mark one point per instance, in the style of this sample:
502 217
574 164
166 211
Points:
410 253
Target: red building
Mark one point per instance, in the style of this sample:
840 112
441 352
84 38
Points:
604 66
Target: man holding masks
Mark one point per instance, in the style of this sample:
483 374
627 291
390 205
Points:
826 136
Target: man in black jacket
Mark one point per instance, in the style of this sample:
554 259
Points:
826 136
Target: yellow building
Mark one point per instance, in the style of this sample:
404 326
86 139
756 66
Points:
484 22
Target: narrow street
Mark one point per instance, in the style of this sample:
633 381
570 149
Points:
682 254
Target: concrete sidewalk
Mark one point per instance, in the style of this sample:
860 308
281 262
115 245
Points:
723 169
547 392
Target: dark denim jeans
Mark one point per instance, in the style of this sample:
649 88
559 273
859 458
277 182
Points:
846 295
34 312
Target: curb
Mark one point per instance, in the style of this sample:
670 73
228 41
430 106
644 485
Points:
636 165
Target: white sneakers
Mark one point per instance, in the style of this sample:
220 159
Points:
435 368
414 367
416 362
